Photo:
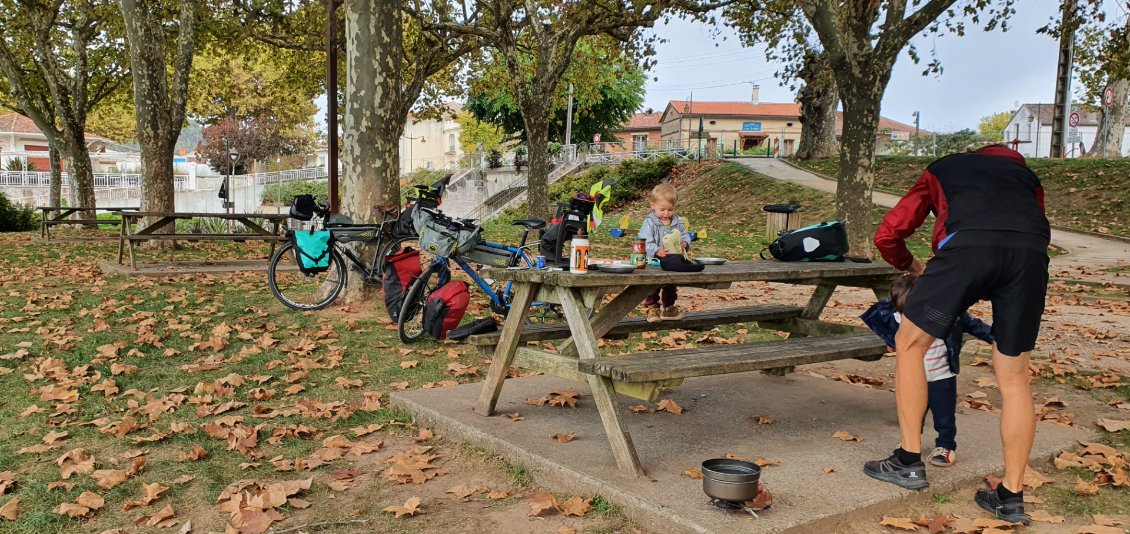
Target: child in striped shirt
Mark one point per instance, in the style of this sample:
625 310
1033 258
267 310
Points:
941 364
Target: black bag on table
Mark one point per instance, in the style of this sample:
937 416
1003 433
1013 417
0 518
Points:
400 270
826 241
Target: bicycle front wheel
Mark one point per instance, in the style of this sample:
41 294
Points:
305 291
410 323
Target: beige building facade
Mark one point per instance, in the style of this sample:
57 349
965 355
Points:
742 125
431 143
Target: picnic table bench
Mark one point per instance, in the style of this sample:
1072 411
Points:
641 375
160 220
63 214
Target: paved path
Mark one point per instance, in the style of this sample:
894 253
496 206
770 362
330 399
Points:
1085 254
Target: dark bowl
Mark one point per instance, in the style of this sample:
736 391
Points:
727 470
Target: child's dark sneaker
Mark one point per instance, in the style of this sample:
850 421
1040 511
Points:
943 457
891 470
672 313
653 315
1011 510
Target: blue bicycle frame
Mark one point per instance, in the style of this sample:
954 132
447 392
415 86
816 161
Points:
502 299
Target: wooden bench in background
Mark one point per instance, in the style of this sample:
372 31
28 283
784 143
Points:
61 216
160 220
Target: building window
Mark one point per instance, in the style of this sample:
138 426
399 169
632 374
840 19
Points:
639 142
450 143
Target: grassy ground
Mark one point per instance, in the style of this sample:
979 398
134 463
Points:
1089 195
151 368
93 357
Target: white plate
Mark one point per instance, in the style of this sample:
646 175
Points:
710 261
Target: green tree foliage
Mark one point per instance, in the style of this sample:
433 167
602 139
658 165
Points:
59 60
473 131
991 128
255 82
862 40
536 41
608 87
941 144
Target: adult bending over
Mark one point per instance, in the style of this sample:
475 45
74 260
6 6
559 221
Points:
990 242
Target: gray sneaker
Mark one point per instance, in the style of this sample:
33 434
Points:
1011 510
892 470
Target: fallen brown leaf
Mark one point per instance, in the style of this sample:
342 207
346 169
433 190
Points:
11 509
542 502
564 438
110 478
410 508
196 453
903 523
575 506
408 365
1082 487
1105 521
762 462
693 472
1099 529
1045 517
1113 425
164 519
846 436
669 405
152 492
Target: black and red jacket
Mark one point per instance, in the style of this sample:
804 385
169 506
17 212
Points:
991 190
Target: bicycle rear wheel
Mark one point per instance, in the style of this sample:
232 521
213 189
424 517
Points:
410 325
305 291
395 246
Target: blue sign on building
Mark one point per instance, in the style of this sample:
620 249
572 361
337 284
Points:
751 126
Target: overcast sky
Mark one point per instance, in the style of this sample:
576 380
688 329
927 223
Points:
984 72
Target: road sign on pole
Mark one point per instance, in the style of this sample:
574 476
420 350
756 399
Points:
1108 97
1073 119
1073 136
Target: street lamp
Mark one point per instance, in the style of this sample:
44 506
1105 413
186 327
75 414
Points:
410 139
233 154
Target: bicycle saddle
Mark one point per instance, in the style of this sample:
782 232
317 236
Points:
532 224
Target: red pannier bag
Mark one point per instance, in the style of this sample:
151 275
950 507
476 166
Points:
445 307
400 270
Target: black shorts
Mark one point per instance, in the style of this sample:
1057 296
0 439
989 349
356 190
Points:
1014 277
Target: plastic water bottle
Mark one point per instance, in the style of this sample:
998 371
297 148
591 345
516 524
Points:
579 254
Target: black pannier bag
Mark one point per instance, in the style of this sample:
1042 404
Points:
826 241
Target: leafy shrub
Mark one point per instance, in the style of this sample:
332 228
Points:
285 192
425 176
16 217
634 179
494 159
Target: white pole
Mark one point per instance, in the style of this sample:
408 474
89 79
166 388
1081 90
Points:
569 119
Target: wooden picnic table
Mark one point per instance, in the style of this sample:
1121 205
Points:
159 220
640 375
61 217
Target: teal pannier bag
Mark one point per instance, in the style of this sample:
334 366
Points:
312 251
